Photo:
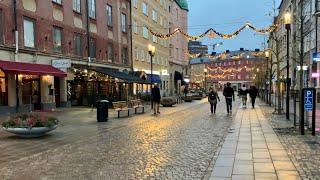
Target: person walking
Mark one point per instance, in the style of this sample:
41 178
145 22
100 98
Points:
156 97
228 93
213 98
243 92
253 92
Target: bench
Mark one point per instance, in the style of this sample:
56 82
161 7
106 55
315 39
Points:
121 106
137 104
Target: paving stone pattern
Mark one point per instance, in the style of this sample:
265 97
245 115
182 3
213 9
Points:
181 143
304 151
253 151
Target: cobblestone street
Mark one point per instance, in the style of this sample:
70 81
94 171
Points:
181 143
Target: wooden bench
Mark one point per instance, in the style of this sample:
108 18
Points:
121 106
137 104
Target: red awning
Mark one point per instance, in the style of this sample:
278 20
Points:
10 67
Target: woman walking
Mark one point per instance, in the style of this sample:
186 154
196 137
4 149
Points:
213 98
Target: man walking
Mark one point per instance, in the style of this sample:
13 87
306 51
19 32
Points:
213 100
156 97
228 93
243 94
253 92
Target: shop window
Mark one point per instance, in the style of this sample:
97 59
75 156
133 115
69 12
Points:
1 27
77 5
29 33
110 52
57 39
124 56
109 15
30 87
93 48
78 44
3 89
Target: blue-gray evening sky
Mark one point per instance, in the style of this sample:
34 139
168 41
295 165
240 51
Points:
226 16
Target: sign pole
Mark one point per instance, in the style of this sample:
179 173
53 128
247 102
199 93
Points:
302 112
314 113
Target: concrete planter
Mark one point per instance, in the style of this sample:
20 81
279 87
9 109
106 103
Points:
30 132
168 102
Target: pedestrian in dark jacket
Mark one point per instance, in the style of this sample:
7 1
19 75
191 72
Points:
156 97
228 93
253 93
213 99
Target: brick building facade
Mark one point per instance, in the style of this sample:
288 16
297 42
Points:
58 30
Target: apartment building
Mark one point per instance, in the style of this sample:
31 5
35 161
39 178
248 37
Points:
154 15
53 52
178 45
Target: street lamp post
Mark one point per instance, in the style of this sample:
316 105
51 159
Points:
287 21
152 51
205 79
267 54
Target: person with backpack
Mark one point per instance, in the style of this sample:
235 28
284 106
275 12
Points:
243 94
213 99
253 93
228 93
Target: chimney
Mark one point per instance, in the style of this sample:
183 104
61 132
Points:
257 50
241 49
213 53
227 51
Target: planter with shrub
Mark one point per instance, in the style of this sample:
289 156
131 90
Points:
30 125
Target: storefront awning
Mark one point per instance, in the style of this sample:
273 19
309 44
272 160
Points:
126 77
155 78
32 69
178 76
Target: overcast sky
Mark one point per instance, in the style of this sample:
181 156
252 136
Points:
226 16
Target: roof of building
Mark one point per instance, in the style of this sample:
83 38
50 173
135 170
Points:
200 60
183 4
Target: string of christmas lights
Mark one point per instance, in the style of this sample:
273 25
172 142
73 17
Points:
212 33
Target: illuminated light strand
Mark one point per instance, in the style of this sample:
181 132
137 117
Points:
212 33
220 56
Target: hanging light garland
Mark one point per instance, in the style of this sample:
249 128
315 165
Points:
224 54
212 33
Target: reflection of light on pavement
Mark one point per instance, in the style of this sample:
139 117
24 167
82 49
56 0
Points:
152 140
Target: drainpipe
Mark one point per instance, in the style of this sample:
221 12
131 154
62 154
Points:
15 27
131 36
88 31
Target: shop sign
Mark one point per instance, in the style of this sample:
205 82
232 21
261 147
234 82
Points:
62 64
164 72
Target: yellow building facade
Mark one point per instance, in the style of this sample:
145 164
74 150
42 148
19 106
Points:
155 15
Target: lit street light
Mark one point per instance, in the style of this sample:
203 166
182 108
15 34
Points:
287 22
152 51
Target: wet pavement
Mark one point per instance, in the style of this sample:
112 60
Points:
181 143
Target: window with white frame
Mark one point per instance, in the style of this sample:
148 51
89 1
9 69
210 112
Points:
161 20
77 5
57 39
135 3
145 8
136 53
135 26
154 39
154 15
123 22
29 33
142 55
109 15
57 1
92 8
145 32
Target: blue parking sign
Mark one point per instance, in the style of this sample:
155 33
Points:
308 100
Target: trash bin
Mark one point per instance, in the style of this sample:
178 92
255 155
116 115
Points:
102 110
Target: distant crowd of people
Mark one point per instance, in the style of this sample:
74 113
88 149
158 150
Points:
228 93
